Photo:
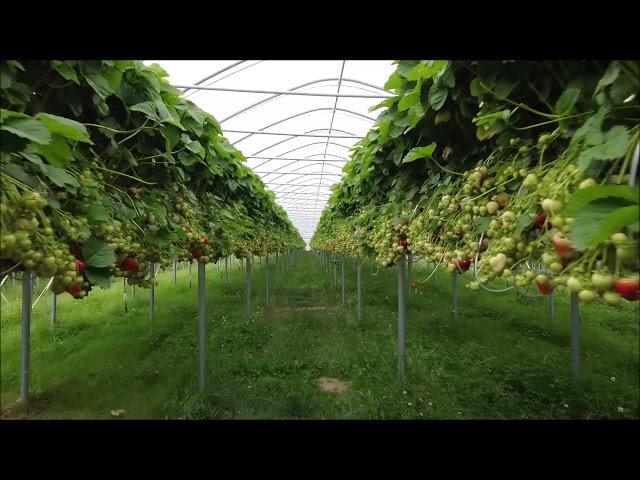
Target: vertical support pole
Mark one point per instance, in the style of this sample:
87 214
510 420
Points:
335 273
175 269
552 306
409 269
266 270
152 292
249 288
54 308
454 297
342 280
190 273
359 288
26 334
124 293
575 337
202 325
401 318
226 269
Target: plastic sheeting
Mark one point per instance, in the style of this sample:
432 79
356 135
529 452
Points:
303 185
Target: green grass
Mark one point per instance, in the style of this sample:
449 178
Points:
505 360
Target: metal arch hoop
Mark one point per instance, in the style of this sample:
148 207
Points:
305 113
229 67
294 160
273 97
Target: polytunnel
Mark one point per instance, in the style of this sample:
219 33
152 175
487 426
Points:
471 231
294 121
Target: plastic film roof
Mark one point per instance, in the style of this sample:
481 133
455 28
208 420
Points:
301 169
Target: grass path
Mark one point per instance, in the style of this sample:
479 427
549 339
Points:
506 359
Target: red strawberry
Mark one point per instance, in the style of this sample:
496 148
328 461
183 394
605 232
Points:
74 289
403 242
79 266
562 246
131 264
544 288
484 245
540 219
205 241
197 253
503 200
628 288
458 206
464 265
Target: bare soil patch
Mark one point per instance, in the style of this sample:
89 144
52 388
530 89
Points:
328 384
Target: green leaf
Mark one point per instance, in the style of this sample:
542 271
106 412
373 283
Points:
59 176
567 100
442 117
610 76
113 77
65 70
419 152
483 224
437 96
599 220
416 113
387 102
97 253
99 83
97 213
613 146
161 237
159 210
523 222
165 116
148 108
57 152
171 133
395 82
580 198
28 128
65 127
408 100
18 173
99 276
188 159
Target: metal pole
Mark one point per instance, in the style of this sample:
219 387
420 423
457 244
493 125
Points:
409 268
152 299
267 280
124 294
575 337
401 318
335 274
201 326
249 285
342 280
226 269
189 273
54 306
359 288
454 297
552 306
175 269
26 332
